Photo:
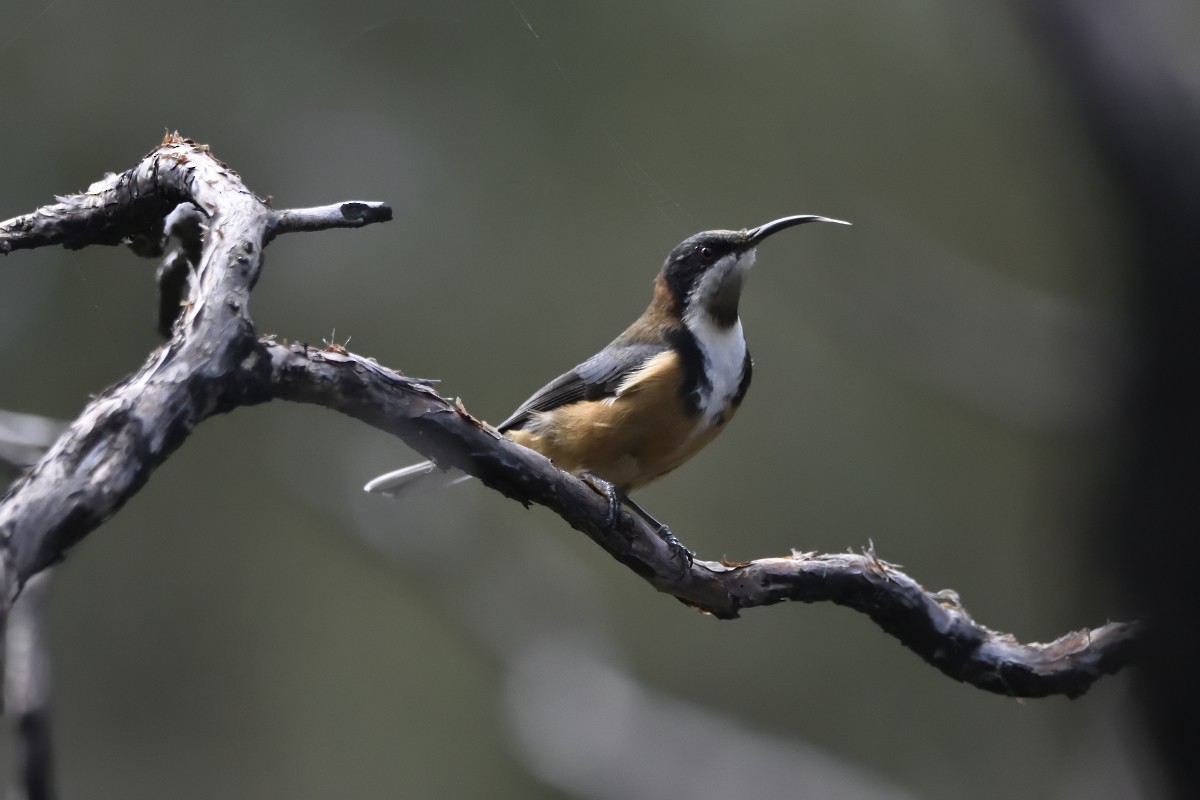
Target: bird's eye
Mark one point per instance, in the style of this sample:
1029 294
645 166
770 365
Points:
707 253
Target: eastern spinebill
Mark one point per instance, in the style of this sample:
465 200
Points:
657 394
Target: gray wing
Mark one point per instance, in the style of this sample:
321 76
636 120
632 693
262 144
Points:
598 377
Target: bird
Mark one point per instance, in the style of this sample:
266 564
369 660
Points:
656 395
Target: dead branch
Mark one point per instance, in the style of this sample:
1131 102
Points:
108 453
934 625
27 683
215 362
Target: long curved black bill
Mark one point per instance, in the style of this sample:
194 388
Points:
756 235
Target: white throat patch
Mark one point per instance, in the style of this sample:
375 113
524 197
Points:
723 348
724 352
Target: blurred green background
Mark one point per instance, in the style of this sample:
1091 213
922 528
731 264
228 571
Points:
940 379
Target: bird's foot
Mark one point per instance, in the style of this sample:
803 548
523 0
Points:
616 498
678 549
610 494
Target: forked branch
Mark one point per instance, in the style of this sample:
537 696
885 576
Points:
215 362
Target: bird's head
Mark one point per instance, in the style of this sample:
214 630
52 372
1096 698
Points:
704 273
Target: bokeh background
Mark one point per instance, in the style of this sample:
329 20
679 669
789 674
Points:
942 379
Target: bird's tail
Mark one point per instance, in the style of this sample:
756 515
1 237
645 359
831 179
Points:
414 479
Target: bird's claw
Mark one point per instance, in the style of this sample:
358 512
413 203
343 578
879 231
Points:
610 494
615 498
678 550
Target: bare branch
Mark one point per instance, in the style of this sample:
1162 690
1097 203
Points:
215 362
350 214
27 692
109 452
934 625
